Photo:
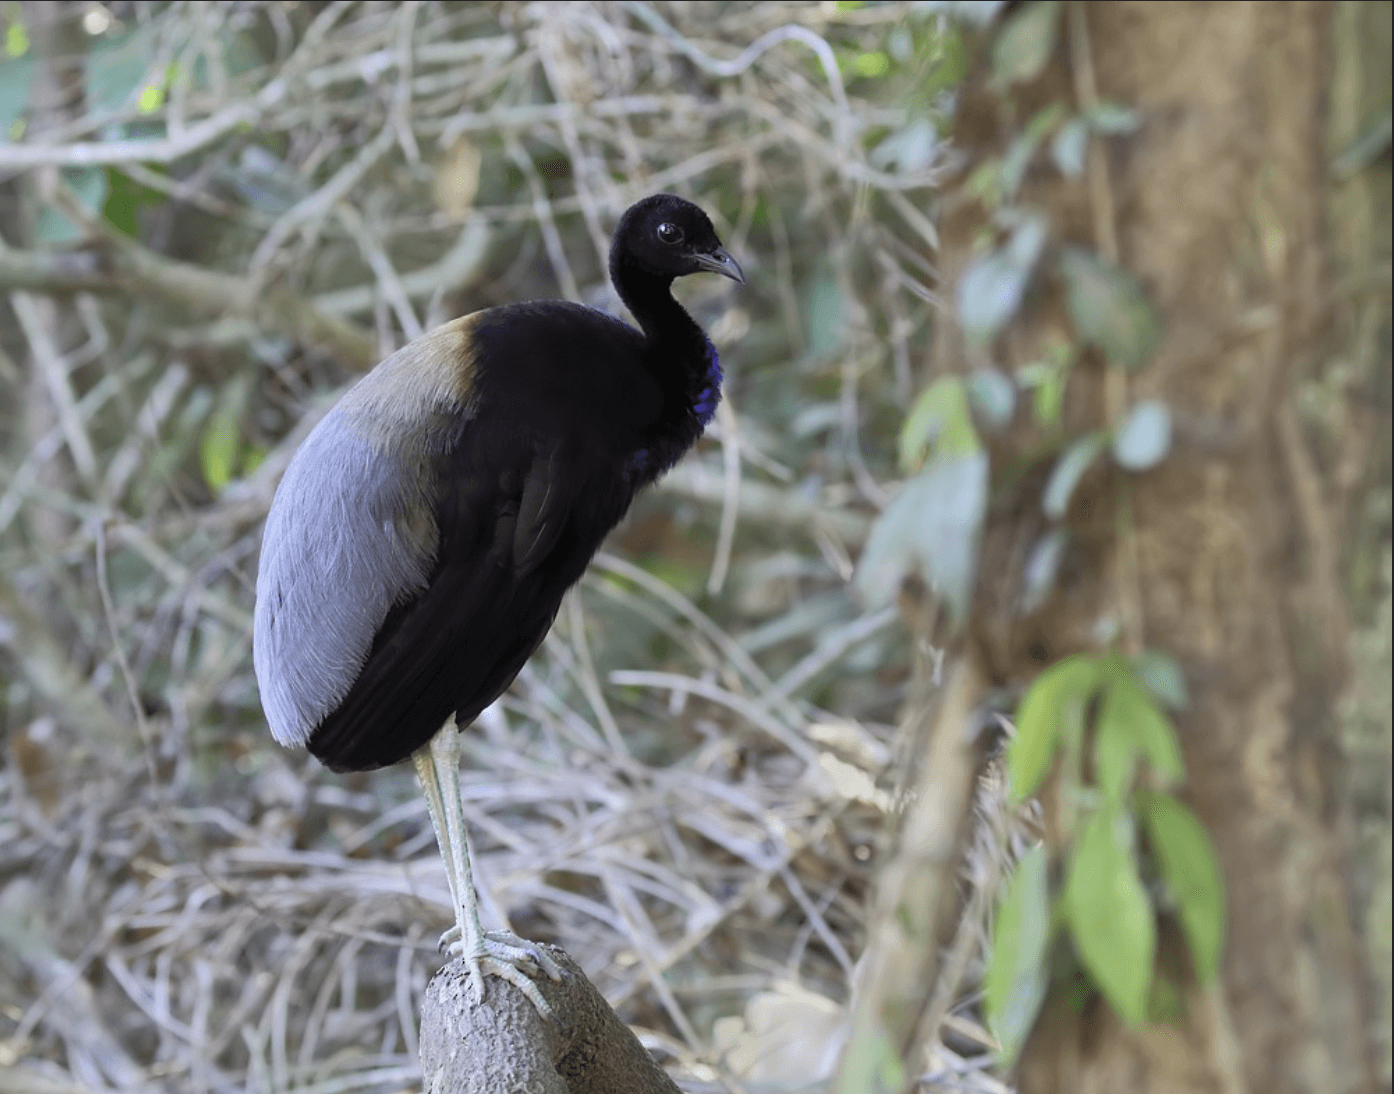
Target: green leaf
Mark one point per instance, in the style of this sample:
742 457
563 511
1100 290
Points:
89 186
1025 43
991 289
1112 119
254 457
15 77
871 64
152 97
1042 566
985 183
1115 757
977 13
1155 734
1132 726
826 316
1069 469
1062 690
870 1063
1108 308
942 60
909 150
1069 147
938 422
218 451
1110 917
989 294
1027 240
932 526
1192 875
1159 673
16 40
1015 982
1144 438
1061 352
1047 380
115 68
220 447
992 395
1044 121
1049 400
1023 148
125 196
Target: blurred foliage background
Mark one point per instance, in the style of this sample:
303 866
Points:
253 203
214 216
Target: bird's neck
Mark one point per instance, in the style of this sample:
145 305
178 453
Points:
679 353
673 336
650 300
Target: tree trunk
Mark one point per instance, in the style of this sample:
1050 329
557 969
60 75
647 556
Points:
1233 559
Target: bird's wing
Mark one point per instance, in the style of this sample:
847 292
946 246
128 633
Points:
542 508
422 645
349 536
427 530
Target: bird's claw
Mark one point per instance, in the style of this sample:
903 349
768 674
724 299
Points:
505 955
505 946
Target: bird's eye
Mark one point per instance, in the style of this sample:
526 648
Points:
669 233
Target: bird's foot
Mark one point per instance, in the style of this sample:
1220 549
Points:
532 957
505 955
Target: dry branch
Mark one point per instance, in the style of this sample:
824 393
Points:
917 904
119 264
55 271
275 308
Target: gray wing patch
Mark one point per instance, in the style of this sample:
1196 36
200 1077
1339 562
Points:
350 534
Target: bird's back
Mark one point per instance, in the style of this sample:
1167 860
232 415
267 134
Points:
441 511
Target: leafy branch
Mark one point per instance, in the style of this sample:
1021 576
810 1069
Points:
1128 850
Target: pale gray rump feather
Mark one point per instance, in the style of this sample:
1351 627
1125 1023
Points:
350 534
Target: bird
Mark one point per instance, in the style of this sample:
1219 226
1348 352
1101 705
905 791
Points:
424 534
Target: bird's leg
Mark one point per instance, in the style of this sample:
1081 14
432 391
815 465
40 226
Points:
432 763
497 953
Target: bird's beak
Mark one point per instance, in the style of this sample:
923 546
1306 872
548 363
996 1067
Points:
719 261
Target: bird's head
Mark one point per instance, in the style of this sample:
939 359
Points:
666 236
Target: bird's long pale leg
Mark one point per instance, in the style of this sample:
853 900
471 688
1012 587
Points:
438 769
497 953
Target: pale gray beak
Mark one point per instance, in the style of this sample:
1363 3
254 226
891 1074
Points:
719 261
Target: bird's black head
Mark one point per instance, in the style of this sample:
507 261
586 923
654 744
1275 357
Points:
666 237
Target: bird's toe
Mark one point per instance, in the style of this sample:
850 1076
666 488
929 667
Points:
519 978
522 952
452 942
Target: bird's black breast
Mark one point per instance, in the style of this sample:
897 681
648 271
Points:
567 371
537 478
